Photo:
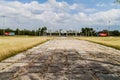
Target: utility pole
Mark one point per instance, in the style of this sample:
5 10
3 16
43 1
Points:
108 28
97 31
4 24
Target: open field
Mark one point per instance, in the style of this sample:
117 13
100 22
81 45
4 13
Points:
107 41
10 46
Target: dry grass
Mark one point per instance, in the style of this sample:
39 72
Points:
10 46
107 41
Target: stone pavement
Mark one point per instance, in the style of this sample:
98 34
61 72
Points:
63 59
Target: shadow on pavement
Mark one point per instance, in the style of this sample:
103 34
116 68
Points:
65 65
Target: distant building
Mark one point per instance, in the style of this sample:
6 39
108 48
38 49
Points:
103 34
9 33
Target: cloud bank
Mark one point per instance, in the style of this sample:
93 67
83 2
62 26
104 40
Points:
56 15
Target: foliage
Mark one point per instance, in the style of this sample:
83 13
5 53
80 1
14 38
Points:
39 32
117 1
88 31
115 33
43 32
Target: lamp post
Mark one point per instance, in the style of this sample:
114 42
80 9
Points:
108 28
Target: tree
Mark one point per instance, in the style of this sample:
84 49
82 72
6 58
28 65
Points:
1 31
9 30
43 30
88 31
115 33
117 1
39 31
32 32
17 31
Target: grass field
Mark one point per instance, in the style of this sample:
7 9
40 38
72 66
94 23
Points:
10 46
107 41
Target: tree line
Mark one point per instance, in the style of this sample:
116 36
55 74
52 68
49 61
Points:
38 32
91 32
43 31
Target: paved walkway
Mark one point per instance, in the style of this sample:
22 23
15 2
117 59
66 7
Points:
63 59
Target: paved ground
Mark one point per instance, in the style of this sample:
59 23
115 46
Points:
63 59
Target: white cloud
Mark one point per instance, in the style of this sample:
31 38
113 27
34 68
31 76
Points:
110 15
55 14
74 6
99 19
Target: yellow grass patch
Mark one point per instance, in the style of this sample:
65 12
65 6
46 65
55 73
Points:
10 46
107 41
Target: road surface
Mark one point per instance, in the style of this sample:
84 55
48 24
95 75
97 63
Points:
63 59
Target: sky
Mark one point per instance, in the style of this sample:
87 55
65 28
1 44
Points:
60 14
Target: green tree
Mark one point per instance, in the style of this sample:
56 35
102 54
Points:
43 31
32 32
39 30
9 30
88 31
115 33
117 1
1 31
17 31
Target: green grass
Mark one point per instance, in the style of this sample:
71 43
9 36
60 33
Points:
113 42
10 46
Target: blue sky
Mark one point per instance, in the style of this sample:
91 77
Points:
70 1
90 3
60 14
